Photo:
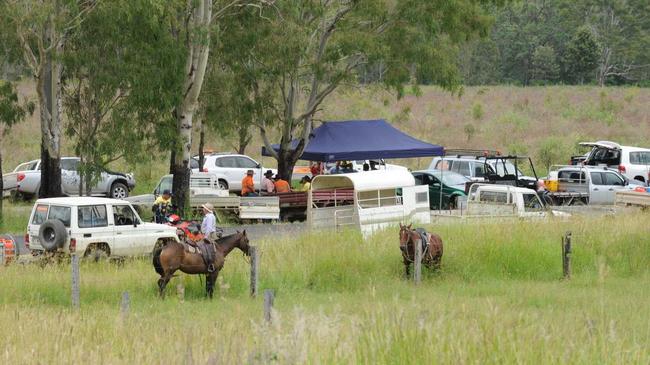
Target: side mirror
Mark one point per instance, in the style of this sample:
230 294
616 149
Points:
259 166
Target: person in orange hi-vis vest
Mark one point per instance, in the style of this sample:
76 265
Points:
247 184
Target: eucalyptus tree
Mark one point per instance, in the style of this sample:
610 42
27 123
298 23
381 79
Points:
122 72
304 50
41 29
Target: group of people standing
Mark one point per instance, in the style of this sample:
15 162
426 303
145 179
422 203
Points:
271 184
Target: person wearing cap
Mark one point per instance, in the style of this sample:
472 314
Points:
281 186
267 184
248 185
161 206
209 224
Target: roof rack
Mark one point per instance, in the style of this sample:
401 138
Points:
460 152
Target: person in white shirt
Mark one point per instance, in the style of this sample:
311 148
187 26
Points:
209 224
268 186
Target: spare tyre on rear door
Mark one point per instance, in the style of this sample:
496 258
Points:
52 234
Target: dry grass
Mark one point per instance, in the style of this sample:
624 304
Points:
498 299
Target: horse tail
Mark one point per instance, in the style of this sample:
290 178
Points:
156 261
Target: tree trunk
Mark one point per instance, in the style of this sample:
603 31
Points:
49 95
244 139
195 66
201 145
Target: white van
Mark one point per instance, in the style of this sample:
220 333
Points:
631 162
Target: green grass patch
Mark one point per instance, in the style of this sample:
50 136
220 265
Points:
340 299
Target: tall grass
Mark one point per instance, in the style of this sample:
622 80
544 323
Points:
497 299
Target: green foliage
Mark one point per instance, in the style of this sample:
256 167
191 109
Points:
545 67
470 131
582 56
552 150
477 111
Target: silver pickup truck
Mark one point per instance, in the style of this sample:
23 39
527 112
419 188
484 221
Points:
111 184
580 185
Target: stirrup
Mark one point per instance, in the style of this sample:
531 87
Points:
211 268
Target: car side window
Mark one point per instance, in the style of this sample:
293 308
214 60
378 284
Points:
225 162
444 165
69 164
463 168
165 184
92 216
60 213
596 178
246 163
123 215
479 169
640 158
418 179
613 179
40 214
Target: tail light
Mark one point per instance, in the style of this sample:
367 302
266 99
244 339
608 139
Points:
73 244
27 240
621 169
20 177
204 170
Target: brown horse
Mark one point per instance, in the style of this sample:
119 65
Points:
408 237
175 256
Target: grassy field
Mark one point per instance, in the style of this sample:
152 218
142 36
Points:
498 299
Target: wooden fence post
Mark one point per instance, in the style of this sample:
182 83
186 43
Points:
2 253
417 264
126 302
269 296
566 255
75 281
254 269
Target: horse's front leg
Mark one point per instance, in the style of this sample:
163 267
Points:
407 266
210 279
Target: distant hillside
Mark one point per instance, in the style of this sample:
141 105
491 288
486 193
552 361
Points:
545 122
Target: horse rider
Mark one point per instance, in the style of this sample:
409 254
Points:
161 206
209 224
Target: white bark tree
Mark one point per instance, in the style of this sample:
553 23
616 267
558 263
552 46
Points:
41 29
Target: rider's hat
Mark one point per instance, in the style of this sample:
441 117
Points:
208 207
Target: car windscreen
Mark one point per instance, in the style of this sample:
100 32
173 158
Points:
506 168
450 179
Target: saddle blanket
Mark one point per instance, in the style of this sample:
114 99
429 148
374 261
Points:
205 248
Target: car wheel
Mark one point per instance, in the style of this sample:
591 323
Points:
223 184
119 191
97 252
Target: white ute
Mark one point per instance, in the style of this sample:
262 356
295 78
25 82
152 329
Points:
94 227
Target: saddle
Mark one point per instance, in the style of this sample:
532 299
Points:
424 236
206 249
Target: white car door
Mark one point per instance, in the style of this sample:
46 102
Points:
128 234
598 191
613 183
92 221
228 166
244 164
70 176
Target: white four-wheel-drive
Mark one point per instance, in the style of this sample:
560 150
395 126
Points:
93 227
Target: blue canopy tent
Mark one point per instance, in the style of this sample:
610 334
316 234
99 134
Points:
361 140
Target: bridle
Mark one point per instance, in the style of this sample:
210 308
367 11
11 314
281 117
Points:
409 239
